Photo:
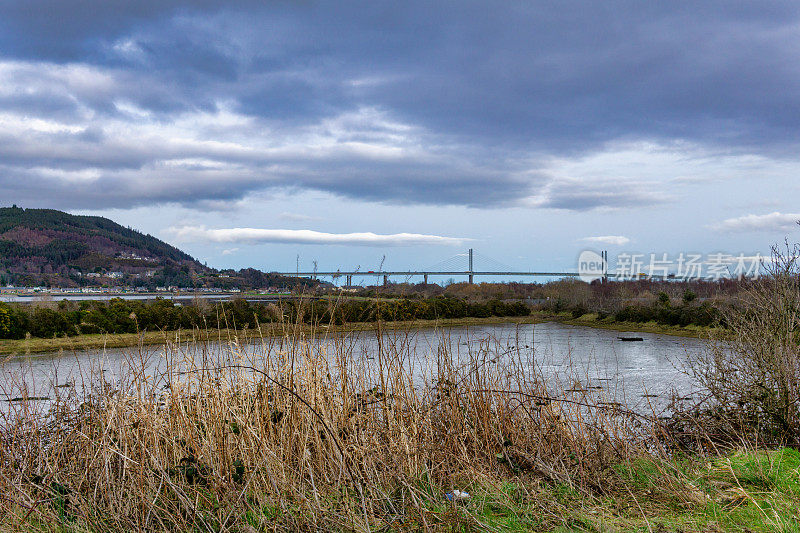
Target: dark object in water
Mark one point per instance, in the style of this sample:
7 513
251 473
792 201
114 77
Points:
631 339
28 398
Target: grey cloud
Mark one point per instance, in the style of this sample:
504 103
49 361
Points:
484 86
555 76
577 195
612 240
96 167
297 217
144 158
124 189
412 183
768 223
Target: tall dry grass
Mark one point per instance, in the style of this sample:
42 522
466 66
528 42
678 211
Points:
301 433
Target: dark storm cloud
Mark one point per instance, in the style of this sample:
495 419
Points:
70 29
124 190
472 91
417 184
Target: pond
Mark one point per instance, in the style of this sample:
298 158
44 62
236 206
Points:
641 373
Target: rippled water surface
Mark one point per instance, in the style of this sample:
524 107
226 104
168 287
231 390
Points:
638 373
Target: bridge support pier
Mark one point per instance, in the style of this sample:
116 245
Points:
385 280
349 281
470 266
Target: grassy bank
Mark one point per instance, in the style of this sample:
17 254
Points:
740 490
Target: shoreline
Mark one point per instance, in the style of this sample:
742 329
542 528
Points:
33 345
591 320
12 347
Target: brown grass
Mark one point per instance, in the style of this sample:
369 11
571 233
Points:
300 432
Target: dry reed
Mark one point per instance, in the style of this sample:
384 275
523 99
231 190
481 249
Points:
301 433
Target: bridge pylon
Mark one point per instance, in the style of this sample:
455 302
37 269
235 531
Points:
470 267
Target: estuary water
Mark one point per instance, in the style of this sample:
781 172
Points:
642 374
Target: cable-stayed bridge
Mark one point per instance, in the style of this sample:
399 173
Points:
592 266
452 267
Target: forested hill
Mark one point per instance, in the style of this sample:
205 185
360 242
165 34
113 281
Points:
45 246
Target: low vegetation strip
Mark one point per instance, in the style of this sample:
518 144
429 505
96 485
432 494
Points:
131 316
593 320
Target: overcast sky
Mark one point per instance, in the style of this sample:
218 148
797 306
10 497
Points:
342 132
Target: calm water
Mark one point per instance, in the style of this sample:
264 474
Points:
638 373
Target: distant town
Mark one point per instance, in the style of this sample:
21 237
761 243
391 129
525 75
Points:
112 290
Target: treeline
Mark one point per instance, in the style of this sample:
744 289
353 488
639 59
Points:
131 316
569 289
662 310
703 314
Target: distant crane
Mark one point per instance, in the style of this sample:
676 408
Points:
380 269
349 276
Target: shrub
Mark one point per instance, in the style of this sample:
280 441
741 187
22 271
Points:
753 378
5 322
579 310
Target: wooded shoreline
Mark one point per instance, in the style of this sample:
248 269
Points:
11 347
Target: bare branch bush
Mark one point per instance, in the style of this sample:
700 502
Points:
751 374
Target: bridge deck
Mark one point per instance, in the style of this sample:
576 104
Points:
426 273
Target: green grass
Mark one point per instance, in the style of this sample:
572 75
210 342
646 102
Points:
756 491
742 491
